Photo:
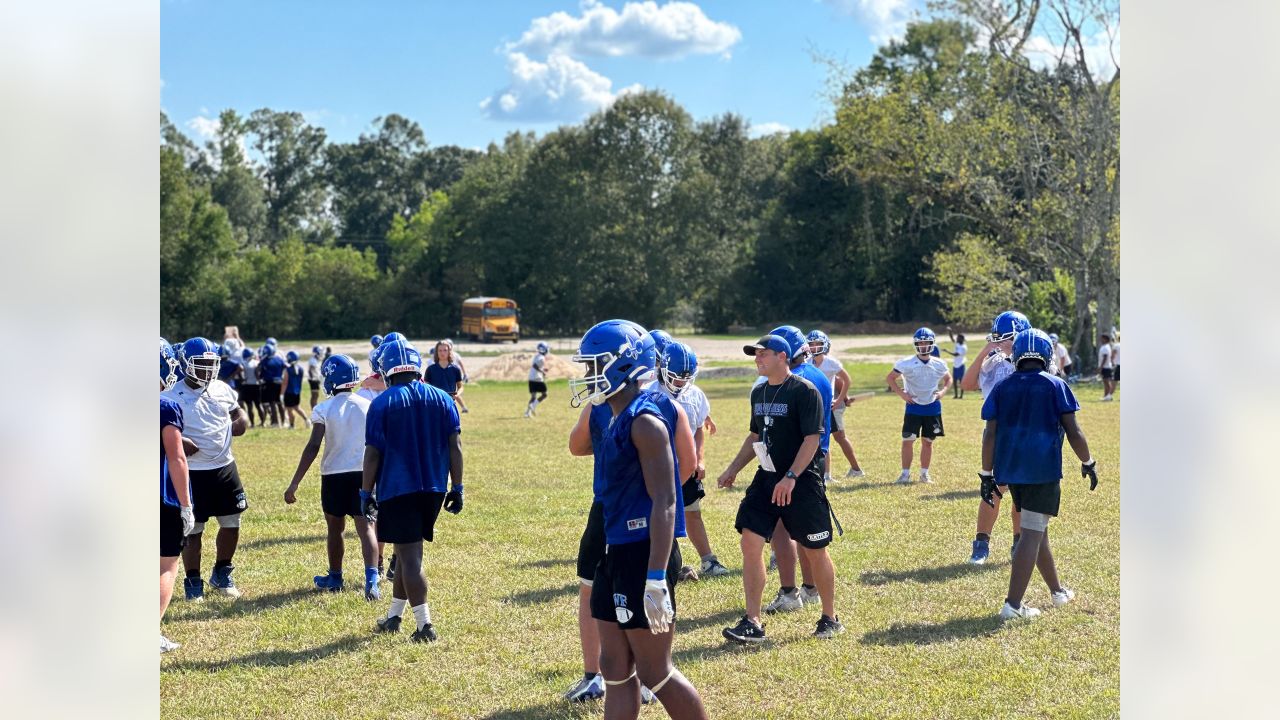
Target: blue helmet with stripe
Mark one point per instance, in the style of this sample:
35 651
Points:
795 340
1008 324
201 360
616 352
819 343
679 367
398 357
340 373
1032 344
376 340
923 340
168 365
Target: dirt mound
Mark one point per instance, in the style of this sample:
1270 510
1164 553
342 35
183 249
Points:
515 366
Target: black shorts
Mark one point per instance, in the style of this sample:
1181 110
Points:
591 545
409 518
617 595
340 493
537 387
1115 373
1041 498
248 393
807 518
1109 374
270 392
693 490
171 538
292 399
314 384
217 492
922 426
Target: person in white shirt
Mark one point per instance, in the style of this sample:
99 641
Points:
1115 359
537 379
959 358
920 374
820 356
313 373
1061 356
250 399
1106 367
338 424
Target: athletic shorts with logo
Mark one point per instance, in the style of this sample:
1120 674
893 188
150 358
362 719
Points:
617 595
340 494
1041 497
921 426
807 518
537 387
217 492
171 538
409 518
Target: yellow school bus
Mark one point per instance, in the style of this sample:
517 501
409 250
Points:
490 318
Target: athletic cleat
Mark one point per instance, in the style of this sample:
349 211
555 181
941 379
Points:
221 579
331 582
904 478
745 632
785 602
391 569
646 695
1063 596
713 568
371 589
194 588
426 633
853 473
809 596
828 628
688 574
981 549
924 476
1009 612
167 645
586 689
388 625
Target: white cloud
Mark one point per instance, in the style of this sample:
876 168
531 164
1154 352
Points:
560 89
885 20
644 29
205 127
769 128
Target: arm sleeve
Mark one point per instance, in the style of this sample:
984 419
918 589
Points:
170 414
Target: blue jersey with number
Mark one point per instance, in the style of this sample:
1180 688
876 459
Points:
1028 407
810 372
627 505
170 414
410 425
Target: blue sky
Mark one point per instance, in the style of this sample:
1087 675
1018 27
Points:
470 72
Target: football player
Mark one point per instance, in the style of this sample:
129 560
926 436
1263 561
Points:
833 369
537 379
922 419
271 371
176 516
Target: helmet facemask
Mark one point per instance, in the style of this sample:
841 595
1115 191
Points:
203 368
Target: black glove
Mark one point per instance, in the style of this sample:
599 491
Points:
1090 470
988 491
368 506
453 500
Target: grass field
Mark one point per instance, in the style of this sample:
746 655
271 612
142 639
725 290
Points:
922 636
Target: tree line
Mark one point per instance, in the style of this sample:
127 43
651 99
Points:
955 180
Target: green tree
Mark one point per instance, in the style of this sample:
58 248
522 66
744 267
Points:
293 153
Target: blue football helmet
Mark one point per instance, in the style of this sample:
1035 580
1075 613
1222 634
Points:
661 340
168 365
397 357
201 360
1032 344
1053 338
376 340
543 348
291 357
317 350
819 343
394 337
340 373
795 339
246 353
177 356
616 352
1007 324
924 340
679 365
266 351
272 342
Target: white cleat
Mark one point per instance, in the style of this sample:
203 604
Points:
924 477
904 478
1063 596
785 602
809 596
853 474
167 645
1009 612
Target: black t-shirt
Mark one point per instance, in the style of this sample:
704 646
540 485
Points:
783 415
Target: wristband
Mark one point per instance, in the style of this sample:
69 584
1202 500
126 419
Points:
656 575
456 486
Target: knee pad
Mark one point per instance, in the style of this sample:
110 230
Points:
1032 520
229 521
197 529
623 681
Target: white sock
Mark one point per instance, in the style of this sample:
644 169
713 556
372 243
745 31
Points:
397 607
534 405
422 614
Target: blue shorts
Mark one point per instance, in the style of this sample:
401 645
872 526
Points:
957 373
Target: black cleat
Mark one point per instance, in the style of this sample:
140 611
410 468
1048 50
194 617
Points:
828 628
388 625
426 634
745 632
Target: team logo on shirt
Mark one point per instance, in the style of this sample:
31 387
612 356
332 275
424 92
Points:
620 608
638 523
776 408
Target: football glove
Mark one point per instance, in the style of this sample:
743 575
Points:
1090 470
453 500
188 519
657 606
368 506
988 490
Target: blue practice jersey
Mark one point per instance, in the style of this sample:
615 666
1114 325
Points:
410 425
170 414
272 369
810 372
227 372
627 505
1027 407
294 374
446 378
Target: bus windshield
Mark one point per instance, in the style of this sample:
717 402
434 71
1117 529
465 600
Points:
499 312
